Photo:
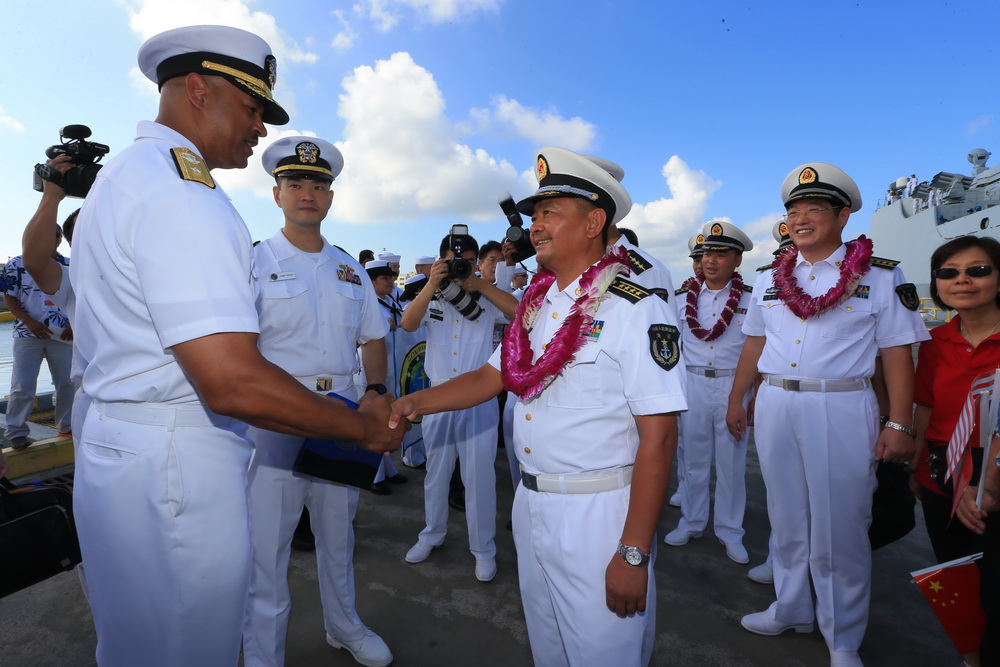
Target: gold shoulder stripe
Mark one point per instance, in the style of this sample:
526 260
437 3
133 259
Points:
884 263
747 288
628 290
191 167
680 290
638 262
764 268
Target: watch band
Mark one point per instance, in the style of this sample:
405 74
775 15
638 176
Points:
899 427
625 551
379 387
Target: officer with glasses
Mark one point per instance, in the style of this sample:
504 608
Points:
815 324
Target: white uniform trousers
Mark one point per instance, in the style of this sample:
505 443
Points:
160 505
471 435
817 452
564 545
27 360
706 437
277 496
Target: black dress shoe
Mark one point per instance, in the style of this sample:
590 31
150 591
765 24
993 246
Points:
397 479
380 489
456 502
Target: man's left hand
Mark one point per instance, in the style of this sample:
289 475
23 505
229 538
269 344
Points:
626 587
67 333
895 446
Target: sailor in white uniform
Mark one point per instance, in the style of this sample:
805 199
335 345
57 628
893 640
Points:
815 325
711 310
317 306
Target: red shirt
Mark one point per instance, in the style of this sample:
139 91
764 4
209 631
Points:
946 366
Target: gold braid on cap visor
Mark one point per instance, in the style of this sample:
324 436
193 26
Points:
254 84
302 167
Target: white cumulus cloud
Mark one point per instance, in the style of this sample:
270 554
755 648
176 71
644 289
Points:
509 118
386 14
8 122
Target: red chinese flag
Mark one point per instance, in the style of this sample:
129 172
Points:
953 593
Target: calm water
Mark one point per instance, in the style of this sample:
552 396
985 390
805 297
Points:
7 362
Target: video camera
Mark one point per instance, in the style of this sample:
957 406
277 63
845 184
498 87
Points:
458 267
516 233
84 154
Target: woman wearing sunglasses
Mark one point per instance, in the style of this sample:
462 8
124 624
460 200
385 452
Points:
964 278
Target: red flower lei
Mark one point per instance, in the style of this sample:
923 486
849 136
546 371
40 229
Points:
527 379
691 311
855 265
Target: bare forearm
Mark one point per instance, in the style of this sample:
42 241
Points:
414 313
897 363
650 478
465 391
373 356
14 306
37 244
746 368
505 301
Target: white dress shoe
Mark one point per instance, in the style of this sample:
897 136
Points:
845 659
736 552
675 500
486 569
370 650
762 574
763 623
678 537
418 552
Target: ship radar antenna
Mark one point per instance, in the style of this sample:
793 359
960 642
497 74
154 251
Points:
978 158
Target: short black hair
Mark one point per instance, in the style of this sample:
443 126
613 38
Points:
489 247
944 252
365 256
68 225
464 241
629 234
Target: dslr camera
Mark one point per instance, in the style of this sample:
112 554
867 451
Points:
458 267
516 233
85 156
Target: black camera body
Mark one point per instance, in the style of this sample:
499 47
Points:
516 233
458 266
84 154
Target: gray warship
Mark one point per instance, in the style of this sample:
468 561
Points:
908 227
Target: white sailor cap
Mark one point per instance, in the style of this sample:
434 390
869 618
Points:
378 267
819 180
780 234
563 173
520 271
389 257
424 259
415 278
303 157
240 57
694 245
722 235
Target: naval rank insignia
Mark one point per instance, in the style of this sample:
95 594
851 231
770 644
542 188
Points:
664 345
191 167
907 293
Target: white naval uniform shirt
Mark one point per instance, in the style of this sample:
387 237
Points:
841 343
314 310
584 421
158 261
724 351
456 345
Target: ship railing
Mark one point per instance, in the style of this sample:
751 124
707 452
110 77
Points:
930 312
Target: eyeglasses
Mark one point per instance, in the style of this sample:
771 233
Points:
795 215
948 273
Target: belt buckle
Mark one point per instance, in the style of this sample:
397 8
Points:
530 482
710 373
790 384
324 384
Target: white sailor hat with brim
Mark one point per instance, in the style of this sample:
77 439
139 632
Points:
390 257
303 157
780 234
722 235
378 267
563 173
694 245
240 57
424 259
415 278
819 180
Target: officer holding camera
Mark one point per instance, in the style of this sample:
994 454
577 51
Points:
459 339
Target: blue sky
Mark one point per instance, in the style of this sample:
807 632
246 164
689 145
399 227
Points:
440 105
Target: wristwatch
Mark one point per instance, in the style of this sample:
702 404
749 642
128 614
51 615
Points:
380 388
634 556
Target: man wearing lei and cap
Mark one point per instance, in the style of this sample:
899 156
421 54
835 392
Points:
816 322
593 360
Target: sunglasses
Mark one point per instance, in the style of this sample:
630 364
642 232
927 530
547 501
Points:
973 272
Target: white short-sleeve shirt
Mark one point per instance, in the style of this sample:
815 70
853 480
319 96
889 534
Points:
724 351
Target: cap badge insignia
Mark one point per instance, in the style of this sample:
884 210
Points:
808 175
542 168
700 239
307 152
271 67
716 229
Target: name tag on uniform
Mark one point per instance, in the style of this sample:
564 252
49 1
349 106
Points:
741 311
284 275
436 314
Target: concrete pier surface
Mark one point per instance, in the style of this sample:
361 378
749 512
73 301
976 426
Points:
436 613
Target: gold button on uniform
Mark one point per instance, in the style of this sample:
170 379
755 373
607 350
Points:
527 450
527 417
555 315
794 364
812 277
579 292
848 308
798 342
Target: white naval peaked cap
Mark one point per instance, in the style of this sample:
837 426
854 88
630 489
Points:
424 259
694 245
722 235
303 157
389 257
240 57
780 234
820 180
563 173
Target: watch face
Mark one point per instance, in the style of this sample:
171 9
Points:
633 556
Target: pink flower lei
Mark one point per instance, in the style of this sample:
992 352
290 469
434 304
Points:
691 311
527 379
855 265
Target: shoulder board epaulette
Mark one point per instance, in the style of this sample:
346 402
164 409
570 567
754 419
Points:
638 262
339 248
747 288
628 290
660 292
191 167
884 263
681 290
765 267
